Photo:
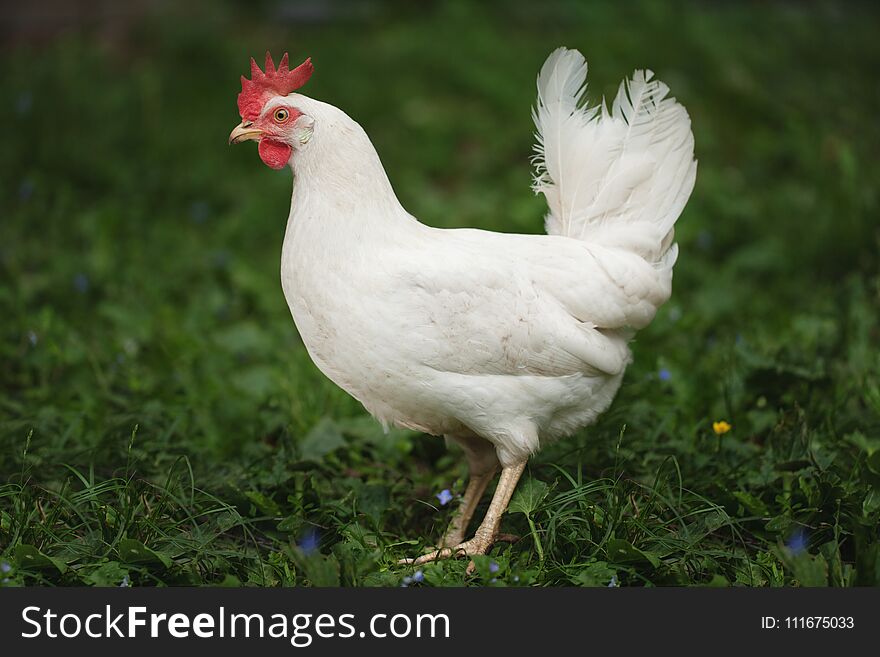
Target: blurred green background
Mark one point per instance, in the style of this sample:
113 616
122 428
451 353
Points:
161 422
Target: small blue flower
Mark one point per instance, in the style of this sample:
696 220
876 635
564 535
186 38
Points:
613 583
418 576
125 583
5 567
309 542
407 581
493 567
81 283
664 374
444 496
32 338
516 578
797 542
493 580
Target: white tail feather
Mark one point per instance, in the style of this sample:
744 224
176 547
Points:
617 178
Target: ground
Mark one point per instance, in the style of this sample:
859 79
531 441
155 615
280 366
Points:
162 424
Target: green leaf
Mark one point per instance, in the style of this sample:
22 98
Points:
374 501
323 438
754 504
383 579
621 551
264 503
107 574
718 581
778 524
871 503
595 574
291 524
810 570
807 569
132 551
321 570
28 556
867 445
870 446
528 497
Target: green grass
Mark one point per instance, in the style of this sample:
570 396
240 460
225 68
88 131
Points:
161 422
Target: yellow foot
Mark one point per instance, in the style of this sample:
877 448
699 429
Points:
453 540
477 545
467 549
450 540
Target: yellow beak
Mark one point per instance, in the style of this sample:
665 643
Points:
244 132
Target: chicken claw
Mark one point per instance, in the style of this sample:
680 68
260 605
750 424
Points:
474 546
465 549
487 534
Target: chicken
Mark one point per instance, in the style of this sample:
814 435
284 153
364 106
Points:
500 342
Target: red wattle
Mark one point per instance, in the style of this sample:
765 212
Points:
274 153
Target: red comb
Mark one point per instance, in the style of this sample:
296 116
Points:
262 86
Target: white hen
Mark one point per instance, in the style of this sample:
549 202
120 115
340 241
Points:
500 342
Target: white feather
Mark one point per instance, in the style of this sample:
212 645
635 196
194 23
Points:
618 178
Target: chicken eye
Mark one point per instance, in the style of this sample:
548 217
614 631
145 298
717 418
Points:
281 115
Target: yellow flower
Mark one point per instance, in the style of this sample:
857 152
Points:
721 427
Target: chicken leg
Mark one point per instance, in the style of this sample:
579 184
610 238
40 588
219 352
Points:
487 532
482 466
